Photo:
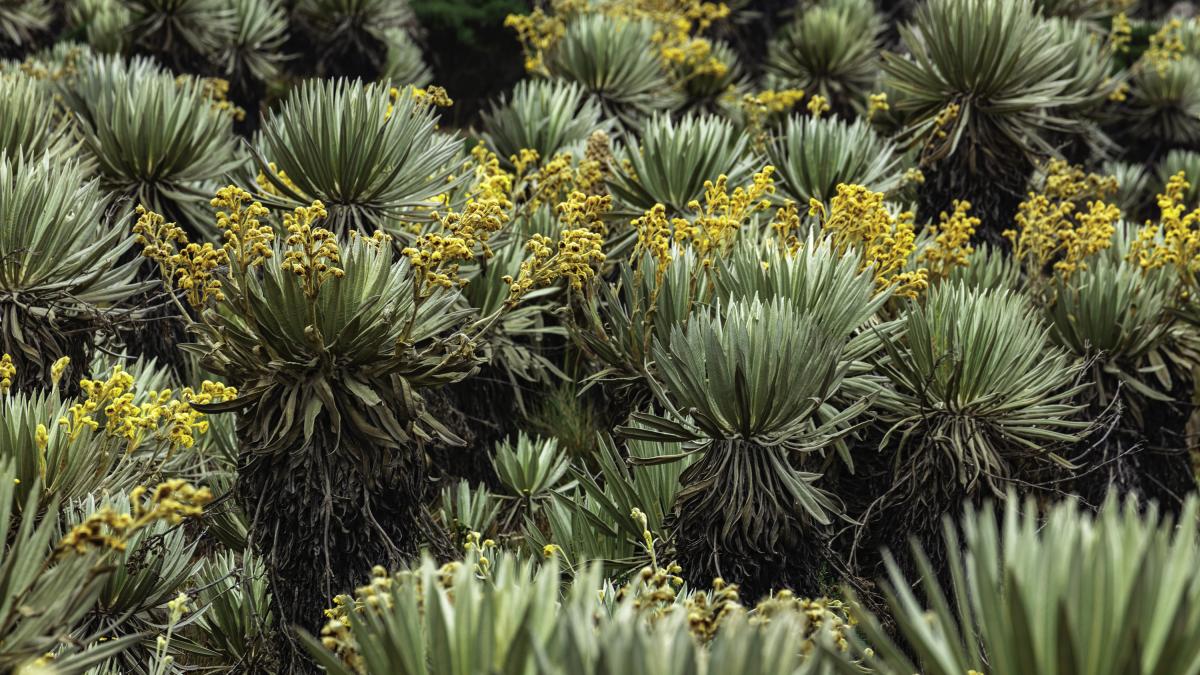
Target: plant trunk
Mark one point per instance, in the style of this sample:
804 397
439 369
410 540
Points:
43 341
994 194
1151 460
910 513
321 516
735 519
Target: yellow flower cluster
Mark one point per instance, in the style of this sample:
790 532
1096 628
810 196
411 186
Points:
759 108
770 101
818 105
679 36
537 32
877 103
183 422
378 594
158 238
174 420
1119 93
58 368
41 438
706 611
951 245
1120 34
436 256
1065 181
1174 241
267 187
945 119
491 181
679 28
247 240
654 590
821 614
432 95
67 67
98 394
710 230
215 89
857 218
195 272
579 252
558 177
525 160
377 240
477 222
786 227
596 166
186 266
1166 46
690 53
313 254
655 232
716 223
170 501
554 178
583 211
1050 230
108 529
7 372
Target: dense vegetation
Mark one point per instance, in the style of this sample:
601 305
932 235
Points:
809 338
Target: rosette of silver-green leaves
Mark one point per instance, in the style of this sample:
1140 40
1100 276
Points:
44 597
742 386
1134 183
1036 594
808 280
236 620
673 159
622 320
103 24
1164 101
157 140
548 116
64 272
254 50
988 78
812 156
497 612
363 339
182 33
151 568
975 386
753 376
49 132
1119 319
612 58
830 48
373 161
59 466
